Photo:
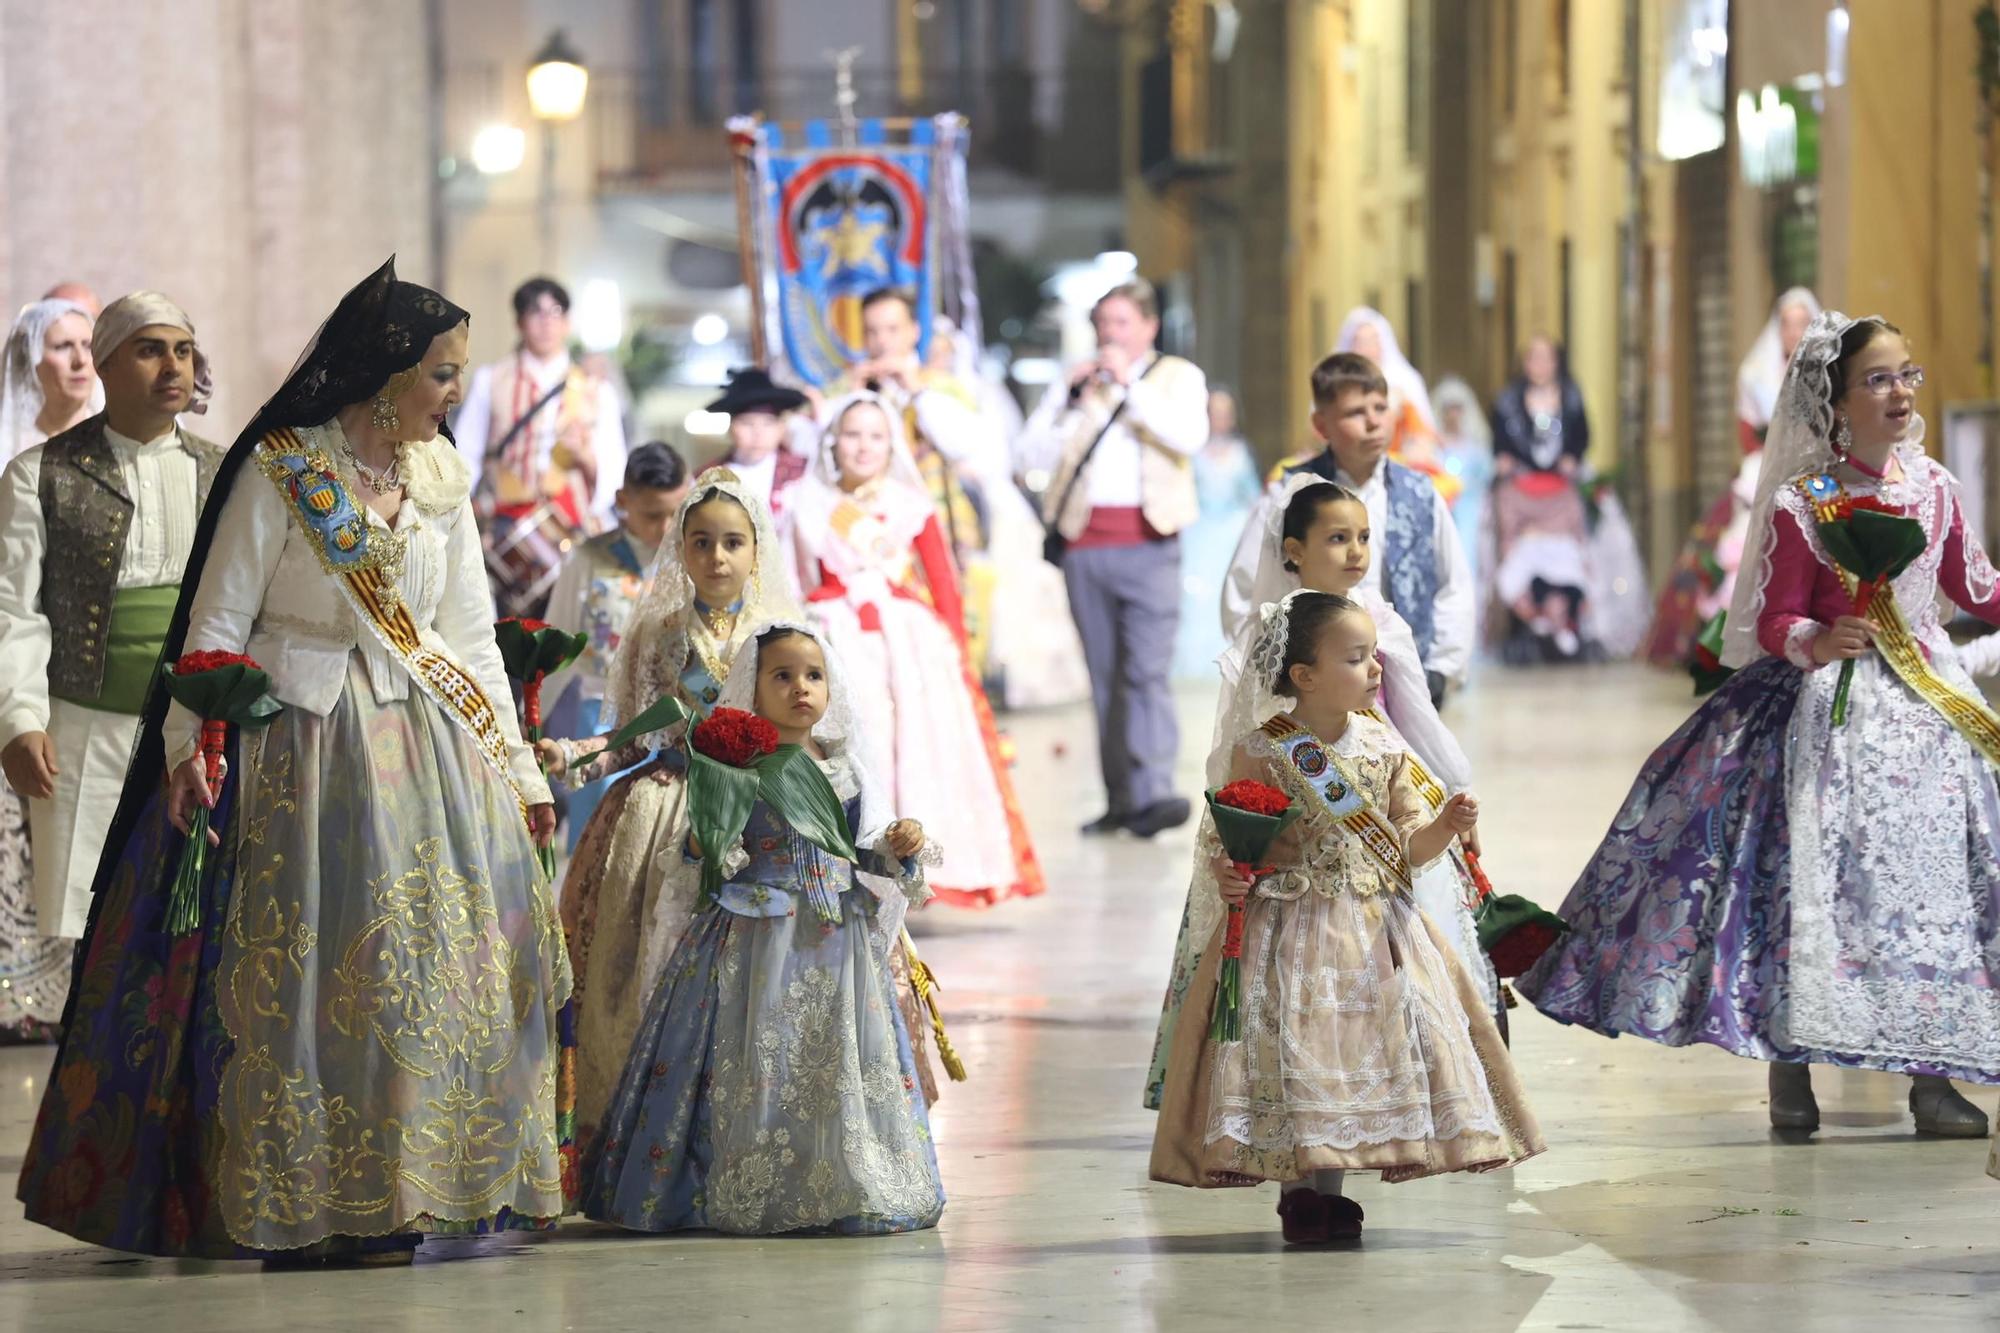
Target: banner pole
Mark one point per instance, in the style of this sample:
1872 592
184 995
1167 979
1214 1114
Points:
742 139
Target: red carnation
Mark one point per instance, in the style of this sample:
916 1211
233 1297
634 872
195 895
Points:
1256 797
193 664
1873 504
734 737
1519 950
528 624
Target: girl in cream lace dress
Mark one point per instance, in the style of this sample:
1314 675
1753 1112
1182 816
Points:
1365 1044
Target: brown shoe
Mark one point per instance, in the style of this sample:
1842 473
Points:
1343 1217
1304 1217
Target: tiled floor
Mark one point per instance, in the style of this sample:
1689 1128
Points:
1663 1202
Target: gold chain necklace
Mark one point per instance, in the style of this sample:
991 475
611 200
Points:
721 624
710 637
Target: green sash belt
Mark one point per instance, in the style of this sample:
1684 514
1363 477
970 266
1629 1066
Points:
138 630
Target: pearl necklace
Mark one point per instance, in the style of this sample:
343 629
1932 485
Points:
385 482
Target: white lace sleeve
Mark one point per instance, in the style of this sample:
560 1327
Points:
1981 580
895 894
1981 657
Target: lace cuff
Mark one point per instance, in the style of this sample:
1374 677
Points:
733 860
1283 887
908 871
1799 640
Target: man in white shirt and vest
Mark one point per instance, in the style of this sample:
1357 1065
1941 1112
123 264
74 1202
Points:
1119 438
95 528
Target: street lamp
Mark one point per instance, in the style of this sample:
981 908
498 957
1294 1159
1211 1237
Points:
557 83
557 80
498 149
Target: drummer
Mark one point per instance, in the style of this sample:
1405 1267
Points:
546 441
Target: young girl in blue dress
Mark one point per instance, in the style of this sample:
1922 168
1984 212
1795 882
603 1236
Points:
772 1087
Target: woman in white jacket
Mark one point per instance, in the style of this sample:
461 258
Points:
359 1043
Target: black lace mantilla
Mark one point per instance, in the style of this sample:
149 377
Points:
380 328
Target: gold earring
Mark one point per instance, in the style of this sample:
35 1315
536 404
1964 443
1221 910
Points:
386 420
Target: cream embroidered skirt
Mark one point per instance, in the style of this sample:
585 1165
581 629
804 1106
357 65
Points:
391 977
1366 1046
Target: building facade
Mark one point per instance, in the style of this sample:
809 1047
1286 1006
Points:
251 161
1637 178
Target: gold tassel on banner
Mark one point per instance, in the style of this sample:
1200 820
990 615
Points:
924 982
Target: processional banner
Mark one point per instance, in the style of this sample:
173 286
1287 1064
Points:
829 211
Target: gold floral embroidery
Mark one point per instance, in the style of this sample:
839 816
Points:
811 1109
275 792
416 979
317 1138
302 468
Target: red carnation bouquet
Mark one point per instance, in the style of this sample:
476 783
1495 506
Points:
734 760
1514 932
1248 818
1874 542
736 738
532 650
1705 666
219 688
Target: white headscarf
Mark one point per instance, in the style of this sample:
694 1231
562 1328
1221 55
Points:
21 396
1800 441
1476 431
854 758
1763 369
901 498
654 647
1404 380
128 314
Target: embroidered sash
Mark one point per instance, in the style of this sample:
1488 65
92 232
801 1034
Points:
1426 782
1336 788
1434 794
1969 717
365 570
